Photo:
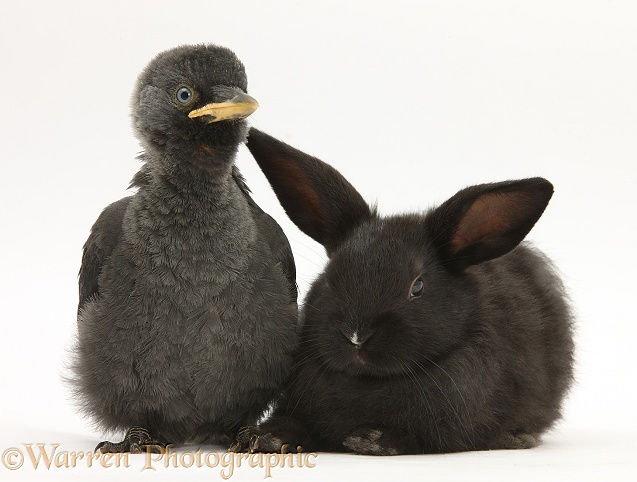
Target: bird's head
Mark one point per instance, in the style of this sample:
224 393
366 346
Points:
191 102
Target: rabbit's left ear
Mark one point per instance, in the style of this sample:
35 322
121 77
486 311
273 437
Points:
316 197
486 221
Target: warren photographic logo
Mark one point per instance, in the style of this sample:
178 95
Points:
45 457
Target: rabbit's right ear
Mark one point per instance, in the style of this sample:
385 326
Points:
316 197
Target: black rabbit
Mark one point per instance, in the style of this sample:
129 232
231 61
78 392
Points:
425 333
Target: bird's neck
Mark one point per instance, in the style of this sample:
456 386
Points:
205 176
212 153
197 205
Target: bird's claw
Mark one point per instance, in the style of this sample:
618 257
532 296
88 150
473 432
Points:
253 439
136 441
247 440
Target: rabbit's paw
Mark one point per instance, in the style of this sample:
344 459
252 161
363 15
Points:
516 441
368 442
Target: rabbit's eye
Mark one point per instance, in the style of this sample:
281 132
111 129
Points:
417 288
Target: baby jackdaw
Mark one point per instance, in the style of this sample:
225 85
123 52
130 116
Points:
187 314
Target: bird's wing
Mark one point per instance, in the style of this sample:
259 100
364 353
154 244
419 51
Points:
272 234
143 176
105 235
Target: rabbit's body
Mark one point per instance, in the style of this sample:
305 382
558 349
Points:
425 333
500 387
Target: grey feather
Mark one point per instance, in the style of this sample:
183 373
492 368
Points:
187 315
104 236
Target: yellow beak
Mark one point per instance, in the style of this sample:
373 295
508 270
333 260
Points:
239 107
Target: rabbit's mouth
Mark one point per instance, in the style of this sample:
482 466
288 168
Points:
358 346
357 356
362 352
358 362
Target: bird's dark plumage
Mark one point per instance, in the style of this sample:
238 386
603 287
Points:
187 313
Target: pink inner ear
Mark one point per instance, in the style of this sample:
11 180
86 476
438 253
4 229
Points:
490 216
291 178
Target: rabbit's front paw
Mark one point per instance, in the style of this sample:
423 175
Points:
516 441
368 442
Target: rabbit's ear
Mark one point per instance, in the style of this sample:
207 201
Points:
316 197
487 221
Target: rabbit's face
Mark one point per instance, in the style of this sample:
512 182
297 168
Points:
385 303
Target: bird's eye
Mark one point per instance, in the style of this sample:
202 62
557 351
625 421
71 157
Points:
417 288
184 95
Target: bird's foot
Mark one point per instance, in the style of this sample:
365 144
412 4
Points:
136 441
246 440
251 439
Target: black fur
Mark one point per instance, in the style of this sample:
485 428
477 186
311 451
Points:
480 357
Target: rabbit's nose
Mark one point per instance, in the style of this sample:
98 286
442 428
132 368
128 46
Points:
356 339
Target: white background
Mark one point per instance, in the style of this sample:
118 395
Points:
411 101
